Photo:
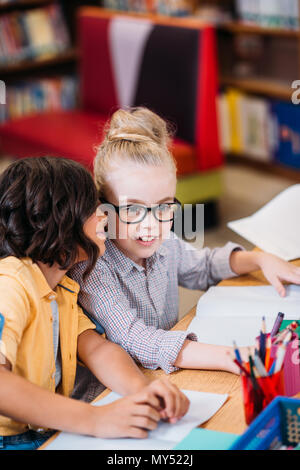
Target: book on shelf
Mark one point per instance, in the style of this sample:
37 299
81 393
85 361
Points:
164 7
269 13
27 97
244 125
260 128
35 34
287 117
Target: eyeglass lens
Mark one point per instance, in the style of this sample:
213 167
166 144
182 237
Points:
136 213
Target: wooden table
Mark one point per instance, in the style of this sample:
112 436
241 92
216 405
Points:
230 417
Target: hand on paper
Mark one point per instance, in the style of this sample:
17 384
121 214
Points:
277 270
274 268
174 404
135 415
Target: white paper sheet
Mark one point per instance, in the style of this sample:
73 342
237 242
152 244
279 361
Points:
202 407
275 228
227 314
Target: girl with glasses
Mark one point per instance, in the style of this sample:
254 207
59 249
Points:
133 289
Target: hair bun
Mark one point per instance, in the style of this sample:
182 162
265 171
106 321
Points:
138 125
130 137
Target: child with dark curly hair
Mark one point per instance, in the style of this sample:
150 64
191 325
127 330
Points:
48 222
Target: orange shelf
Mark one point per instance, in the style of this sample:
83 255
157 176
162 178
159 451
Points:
187 21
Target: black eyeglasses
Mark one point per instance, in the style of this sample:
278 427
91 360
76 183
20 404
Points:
135 213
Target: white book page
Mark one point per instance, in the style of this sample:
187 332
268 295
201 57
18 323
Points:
275 228
202 407
227 314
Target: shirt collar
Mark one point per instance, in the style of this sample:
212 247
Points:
39 278
125 265
43 286
69 284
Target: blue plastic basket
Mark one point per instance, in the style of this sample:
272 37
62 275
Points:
278 424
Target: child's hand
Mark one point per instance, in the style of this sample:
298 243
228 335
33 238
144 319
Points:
135 415
132 416
244 351
174 404
276 270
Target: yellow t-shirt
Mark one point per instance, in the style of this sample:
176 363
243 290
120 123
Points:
27 339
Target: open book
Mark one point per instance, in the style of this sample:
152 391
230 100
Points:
275 228
227 314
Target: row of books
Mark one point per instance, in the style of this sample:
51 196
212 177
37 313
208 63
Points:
270 13
163 7
41 95
262 129
31 35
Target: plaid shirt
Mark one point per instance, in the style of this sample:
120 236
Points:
137 307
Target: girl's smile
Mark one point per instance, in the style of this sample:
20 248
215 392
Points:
146 185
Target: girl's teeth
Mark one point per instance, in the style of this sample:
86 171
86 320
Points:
146 239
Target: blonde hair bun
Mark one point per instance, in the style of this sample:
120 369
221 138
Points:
138 125
137 135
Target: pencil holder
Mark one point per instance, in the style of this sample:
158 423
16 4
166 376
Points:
291 366
258 393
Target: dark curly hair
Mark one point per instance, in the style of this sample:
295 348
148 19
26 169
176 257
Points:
44 203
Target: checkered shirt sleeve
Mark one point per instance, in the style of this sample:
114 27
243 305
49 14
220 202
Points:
200 269
101 295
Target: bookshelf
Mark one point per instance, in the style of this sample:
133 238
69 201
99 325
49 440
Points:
69 56
266 71
271 169
22 4
36 71
238 27
260 86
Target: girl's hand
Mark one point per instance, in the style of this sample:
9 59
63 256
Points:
244 351
277 270
135 415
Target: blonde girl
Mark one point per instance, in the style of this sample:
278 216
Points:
133 289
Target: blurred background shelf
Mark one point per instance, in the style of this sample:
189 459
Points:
21 4
258 58
265 167
38 56
238 27
68 56
262 86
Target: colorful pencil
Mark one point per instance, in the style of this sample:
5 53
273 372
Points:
280 357
262 346
259 365
263 328
243 369
237 352
268 352
277 324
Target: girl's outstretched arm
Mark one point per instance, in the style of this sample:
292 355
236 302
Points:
274 269
195 355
